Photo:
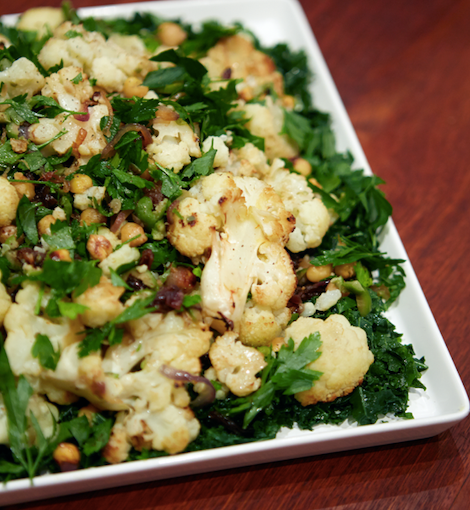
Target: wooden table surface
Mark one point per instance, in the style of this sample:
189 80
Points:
403 71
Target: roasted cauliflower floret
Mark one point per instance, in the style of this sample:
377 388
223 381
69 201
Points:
170 430
176 338
103 303
22 77
344 361
311 215
267 121
217 143
104 60
118 447
245 225
45 413
124 255
41 19
259 324
236 56
22 325
174 144
67 93
236 364
9 201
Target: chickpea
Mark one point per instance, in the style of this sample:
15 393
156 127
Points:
91 215
89 411
246 94
7 232
315 183
171 34
44 225
345 270
99 247
277 343
61 254
23 189
80 183
288 101
166 114
115 204
333 286
317 273
133 87
130 230
302 166
67 455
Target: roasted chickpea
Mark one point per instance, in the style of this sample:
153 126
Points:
133 87
317 273
67 455
313 181
26 188
44 225
130 230
277 343
345 270
61 254
80 183
288 101
171 34
91 215
7 232
99 247
302 166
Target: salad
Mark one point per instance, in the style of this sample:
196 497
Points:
186 260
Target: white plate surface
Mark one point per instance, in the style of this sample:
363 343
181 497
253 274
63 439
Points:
445 401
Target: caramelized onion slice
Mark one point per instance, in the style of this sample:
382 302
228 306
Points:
108 151
120 219
206 397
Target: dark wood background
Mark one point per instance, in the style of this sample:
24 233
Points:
403 71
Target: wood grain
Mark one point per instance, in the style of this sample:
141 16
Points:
402 70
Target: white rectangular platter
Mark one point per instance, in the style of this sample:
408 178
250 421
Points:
445 401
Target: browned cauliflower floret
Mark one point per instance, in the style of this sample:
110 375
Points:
173 144
22 324
170 430
118 446
267 121
107 61
242 222
236 55
45 413
259 324
236 364
103 303
312 217
345 357
41 19
69 94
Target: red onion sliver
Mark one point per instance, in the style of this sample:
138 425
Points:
108 151
206 397
120 219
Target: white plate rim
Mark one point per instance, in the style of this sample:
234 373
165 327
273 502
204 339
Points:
280 448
